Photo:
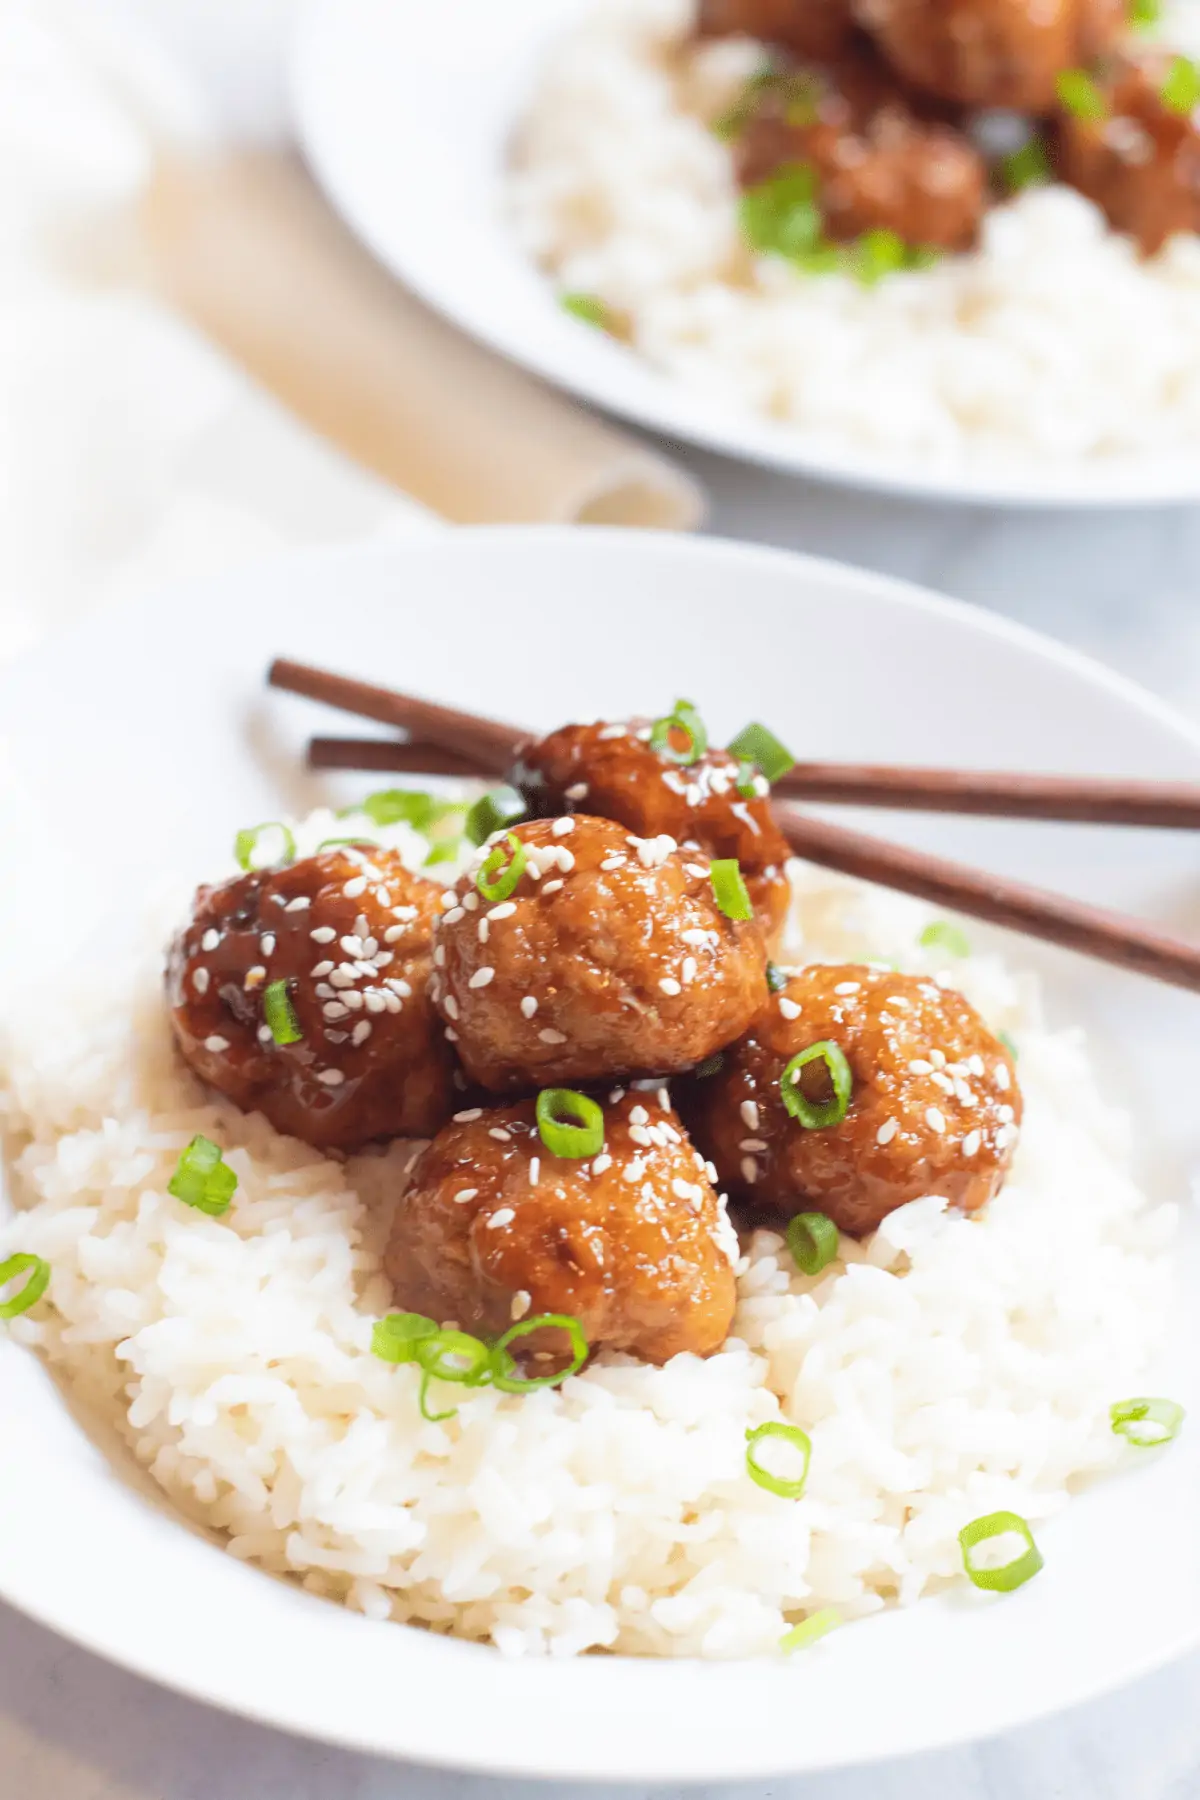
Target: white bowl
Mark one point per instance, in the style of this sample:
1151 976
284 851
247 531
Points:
143 739
405 110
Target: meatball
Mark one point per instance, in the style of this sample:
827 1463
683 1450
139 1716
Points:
613 771
819 28
1141 161
610 957
633 1242
934 1107
350 933
877 162
995 53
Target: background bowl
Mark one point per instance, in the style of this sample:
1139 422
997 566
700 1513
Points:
142 741
405 111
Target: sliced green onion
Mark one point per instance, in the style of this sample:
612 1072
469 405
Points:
780 216
813 1241
450 1355
580 1133
451 1412
814 1116
1027 167
1078 92
443 853
776 979
395 1339
390 806
202 1179
1010 1044
942 935
817 1625
684 719
280 1014
504 1374
1180 91
491 812
923 256
730 890
1145 13
747 775
712 1065
247 844
1147 1422
760 746
878 253
1003 1577
588 308
499 875
778 1484
29 1295
348 843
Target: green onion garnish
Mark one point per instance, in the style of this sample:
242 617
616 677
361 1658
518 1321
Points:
878 253
499 875
1010 1044
504 1374
730 890
492 812
589 308
760 746
451 1412
777 1484
942 935
776 979
247 844
1180 91
413 806
817 1625
1147 1422
280 1014
367 843
813 1242
395 1338
686 720
580 1134
712 1065
202 1179
1144 13
29 1295
450 1355
999 1578
443 853
780 216
1079 93
1027 167
746 777
812 1115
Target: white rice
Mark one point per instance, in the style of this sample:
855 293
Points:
944 1369
1054 340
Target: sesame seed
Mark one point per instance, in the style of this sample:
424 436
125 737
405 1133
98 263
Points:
601 1162
331 1077
788 1008
505 910
535 1170
749 1112
848 987
566 861
521 1302
663 1098
1006 1114
451 1006
375 1001
320 969
200 979
935 1118
361 1032
752 1145
266 943
333 1009
301 903
393 1003
918 1066
481 979
439 957
216 1043
638 1115
483 931
612 862
210 940
579 791
353 999
611 731
562 827
265 1035
463 1195
682 1190
886 1132
449 899
962 1093
470 900
450 1035
505 1216
552 887
669 985
971 1143
393 934
453 916
529 1006
1002 1077
407 913
633 1171
696 870
501 1136
938 1058
354 888
1006 1135
616 1097
942 1081
322 934
640 1136
976 1065
549 1036
694 936
398 986
710 1170
351 944
749 1171
689 969
468 1117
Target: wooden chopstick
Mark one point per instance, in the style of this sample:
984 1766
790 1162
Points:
391 754
1103 800
1109 937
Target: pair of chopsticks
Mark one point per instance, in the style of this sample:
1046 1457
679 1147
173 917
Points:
444 741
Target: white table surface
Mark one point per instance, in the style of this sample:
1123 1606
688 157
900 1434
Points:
1125 587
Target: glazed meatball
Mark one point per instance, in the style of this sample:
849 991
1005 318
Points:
350 933
993 53
613 772
1141 161
934 1107
878 163
633 1242
610 957
819 28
